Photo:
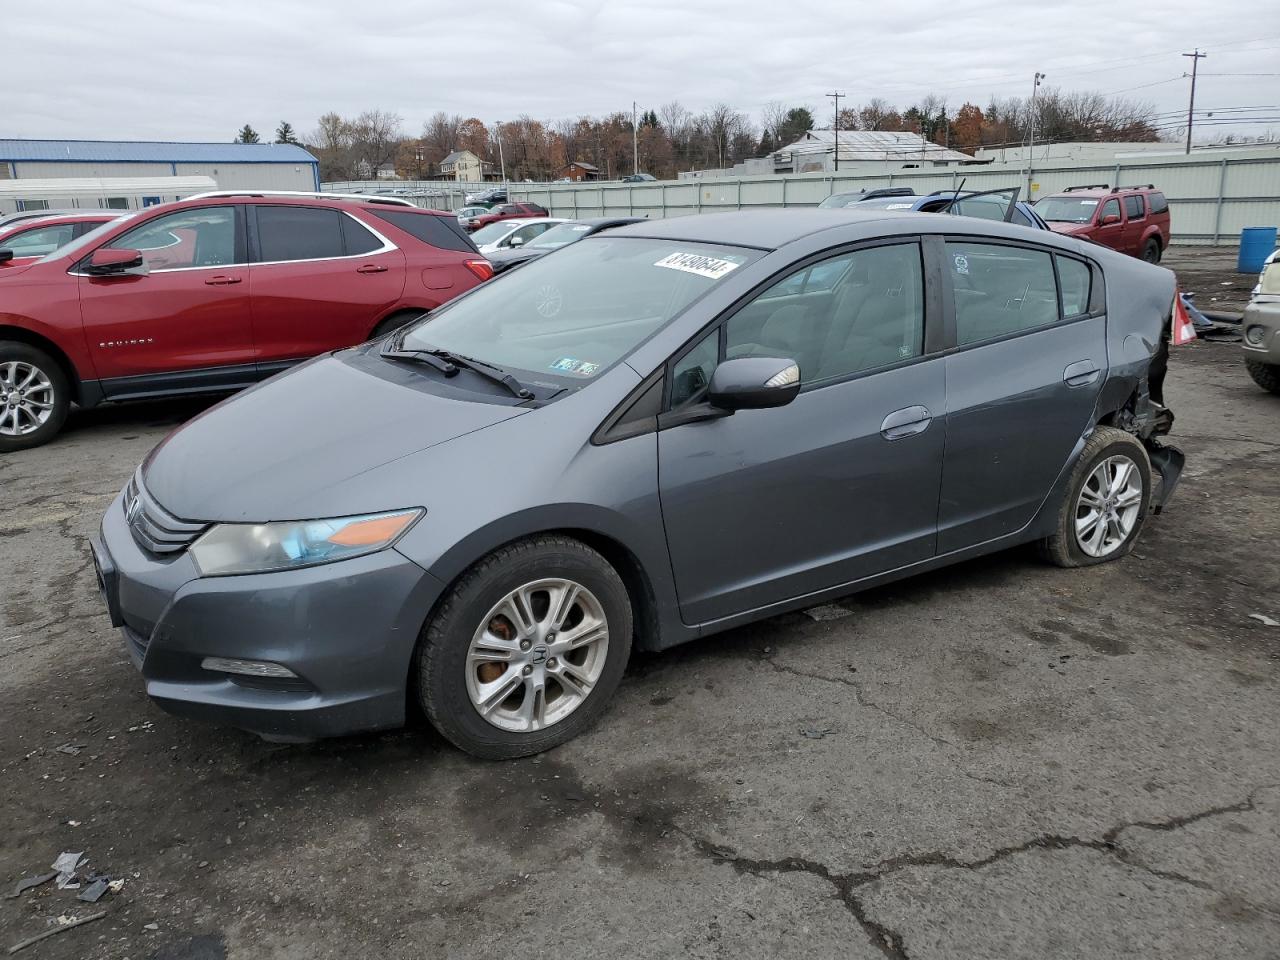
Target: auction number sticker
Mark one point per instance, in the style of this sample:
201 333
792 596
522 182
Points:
696 263
582 368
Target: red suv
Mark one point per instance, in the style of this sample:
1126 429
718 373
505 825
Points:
213 293
36 237
1133 220
507 211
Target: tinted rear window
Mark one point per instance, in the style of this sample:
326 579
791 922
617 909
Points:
1158 203
298 233
442 232
358 238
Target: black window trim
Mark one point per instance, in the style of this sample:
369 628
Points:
932 321
255 247
1097 303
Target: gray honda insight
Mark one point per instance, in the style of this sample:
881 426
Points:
661 432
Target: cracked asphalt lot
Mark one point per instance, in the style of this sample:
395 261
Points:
999 760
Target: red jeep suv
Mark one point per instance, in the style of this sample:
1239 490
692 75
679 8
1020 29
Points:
1133 220
214 293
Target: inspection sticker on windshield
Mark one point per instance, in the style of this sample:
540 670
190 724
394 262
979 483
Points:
703 266
582 368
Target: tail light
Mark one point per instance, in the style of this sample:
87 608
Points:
481 268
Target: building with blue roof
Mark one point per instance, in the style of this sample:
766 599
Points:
233 166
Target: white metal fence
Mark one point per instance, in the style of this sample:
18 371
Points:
1212 198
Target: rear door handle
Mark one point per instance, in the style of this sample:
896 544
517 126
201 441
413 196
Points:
221 281
1080 374
371 268
906 422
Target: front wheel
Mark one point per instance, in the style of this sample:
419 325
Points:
34 396
526 648
1106 502
1265 375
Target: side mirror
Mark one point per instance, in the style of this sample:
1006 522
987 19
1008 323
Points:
1109 219
516 242
6 256
753 383
114 262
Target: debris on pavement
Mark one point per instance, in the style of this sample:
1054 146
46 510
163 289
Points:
94 891
71 749
815 734
66 866
26 883
1263 619
827 611
63 923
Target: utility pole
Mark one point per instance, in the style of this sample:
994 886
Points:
502 163
835 124
1191 107
1031 129
635 141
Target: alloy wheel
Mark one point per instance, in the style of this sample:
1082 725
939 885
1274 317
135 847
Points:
537 655
26 398
1108 506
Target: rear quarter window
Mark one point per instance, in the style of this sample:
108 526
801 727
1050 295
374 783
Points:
1158 203
441 232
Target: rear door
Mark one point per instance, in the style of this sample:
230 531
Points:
1135 223
320 280
183 325
1022 383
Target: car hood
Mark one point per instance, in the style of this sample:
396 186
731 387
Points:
269 452
514 256
1069 229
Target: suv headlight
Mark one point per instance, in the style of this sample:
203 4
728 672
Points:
230 548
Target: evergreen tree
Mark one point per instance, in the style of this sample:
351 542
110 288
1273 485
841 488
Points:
284 133
247 135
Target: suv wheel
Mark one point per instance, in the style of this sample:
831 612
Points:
1151 251
1106 503
34 396
1265 375
526 649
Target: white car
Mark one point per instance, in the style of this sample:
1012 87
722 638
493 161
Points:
467 213
504 234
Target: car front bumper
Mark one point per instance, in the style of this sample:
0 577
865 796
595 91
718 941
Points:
347 630
1260 330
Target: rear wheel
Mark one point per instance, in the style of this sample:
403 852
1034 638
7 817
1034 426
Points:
526 648
395 322
1265 375
34 396
1106 502
1151 251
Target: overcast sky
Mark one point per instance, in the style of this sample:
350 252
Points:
192 70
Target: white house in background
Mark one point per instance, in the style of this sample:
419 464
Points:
462 165
387 171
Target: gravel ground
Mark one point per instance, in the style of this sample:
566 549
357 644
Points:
999 760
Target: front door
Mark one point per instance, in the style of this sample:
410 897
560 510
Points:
768 505
320 281
183 325
1021 387
1110 234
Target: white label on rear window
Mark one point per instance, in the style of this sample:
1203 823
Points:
703 266
1088 203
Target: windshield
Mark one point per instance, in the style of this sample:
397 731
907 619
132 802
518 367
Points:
1066 209
493 232
89 239
559 236
577 313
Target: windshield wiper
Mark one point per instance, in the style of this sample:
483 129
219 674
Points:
422 356
486 370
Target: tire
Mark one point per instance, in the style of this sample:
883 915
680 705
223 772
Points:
1265 375
1067 547
1151 251
395 322
34 396
452 685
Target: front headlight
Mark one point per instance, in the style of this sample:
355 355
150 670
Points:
229 548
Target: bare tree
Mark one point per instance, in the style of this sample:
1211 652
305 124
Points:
772 116
375 138
874 114
441 136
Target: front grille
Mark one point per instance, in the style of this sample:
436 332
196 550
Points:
154 528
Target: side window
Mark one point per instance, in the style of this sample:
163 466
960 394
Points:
358 239
199 237
116 203
1134 207
692 373
871 314
298 233
1109 209
1158 203
1000 290
40 241
1075 278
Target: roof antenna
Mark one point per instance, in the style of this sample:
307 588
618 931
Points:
955 195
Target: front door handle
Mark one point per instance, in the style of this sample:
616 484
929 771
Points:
1080 374
906 422
221 281
371 268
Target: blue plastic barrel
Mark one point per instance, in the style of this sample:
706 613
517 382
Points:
1256 244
